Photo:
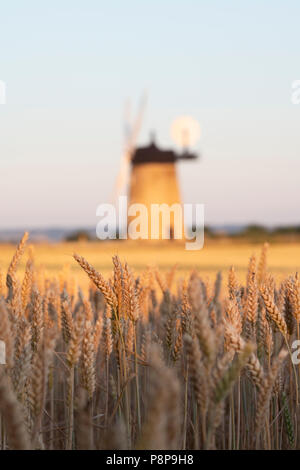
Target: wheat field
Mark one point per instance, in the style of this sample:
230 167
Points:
56 258
164 352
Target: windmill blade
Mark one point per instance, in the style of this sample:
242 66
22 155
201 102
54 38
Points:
137 125
127 120
131 134
123 175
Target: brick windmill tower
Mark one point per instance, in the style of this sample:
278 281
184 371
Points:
152 171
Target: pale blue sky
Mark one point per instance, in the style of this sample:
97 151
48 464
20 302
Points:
70 65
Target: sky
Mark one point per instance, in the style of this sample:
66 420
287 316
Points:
71 66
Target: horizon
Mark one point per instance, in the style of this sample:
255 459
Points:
92 228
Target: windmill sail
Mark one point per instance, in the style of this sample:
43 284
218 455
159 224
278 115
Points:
132 131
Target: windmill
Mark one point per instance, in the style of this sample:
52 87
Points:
151 172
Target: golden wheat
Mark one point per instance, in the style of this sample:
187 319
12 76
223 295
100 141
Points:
145 362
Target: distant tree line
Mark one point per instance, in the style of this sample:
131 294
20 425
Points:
253 232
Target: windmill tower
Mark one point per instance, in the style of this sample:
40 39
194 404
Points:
153 180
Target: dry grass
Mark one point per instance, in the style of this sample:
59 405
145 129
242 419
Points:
148 361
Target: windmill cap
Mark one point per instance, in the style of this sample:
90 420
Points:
153 154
